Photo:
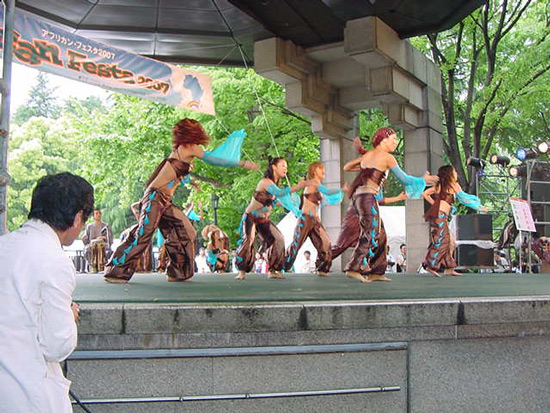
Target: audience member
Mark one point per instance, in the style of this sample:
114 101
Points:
401 265
37 315
200 261
97 240
309 266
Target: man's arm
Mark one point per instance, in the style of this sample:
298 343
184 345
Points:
57 333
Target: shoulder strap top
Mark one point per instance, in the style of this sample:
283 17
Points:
180 168
367 174
314 197
448 198
264 198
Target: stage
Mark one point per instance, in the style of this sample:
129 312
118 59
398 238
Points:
419 344
256 288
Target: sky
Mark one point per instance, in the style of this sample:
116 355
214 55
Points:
23 78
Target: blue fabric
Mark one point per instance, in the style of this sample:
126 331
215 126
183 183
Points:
186 179
160 238
290 201
229 152
380 195
331 196
193 216
211 257
471 201
413 186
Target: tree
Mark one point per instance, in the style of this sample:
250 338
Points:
494 70
41 102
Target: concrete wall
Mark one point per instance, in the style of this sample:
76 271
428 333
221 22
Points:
444 356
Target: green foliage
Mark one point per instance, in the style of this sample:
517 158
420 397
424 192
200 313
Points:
39 147
41 102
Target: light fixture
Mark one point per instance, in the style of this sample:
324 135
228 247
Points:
517 170
475 162
526 153
543 147
499 160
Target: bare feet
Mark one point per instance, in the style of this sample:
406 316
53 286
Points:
175 280
275 275
377 277
115 280
356 276
452 272
433 272
240 275
323 274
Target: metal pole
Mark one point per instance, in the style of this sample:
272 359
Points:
5 89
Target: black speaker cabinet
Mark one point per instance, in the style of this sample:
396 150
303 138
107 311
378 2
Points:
474 227
473 256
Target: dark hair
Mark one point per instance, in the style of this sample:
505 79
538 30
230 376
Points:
269 171
402 245
188 131
307 252
57 199
380 135
445 174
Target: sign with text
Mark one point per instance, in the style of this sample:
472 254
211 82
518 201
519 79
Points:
51 49
522 215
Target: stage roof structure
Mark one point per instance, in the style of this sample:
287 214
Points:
206 31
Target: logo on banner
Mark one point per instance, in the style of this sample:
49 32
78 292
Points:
54 50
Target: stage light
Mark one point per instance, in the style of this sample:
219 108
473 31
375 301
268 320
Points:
543 147
499 160
475 162
517 170
526 153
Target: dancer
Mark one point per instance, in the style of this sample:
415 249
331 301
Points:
309 224
369 255
441 249
156 208
217 249
256 218
350 229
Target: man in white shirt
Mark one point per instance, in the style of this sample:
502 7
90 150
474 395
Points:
37 315
200 260
309 266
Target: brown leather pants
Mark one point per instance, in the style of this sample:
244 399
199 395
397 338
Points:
272 242
369 255
156 210
310 226
440 254
349 232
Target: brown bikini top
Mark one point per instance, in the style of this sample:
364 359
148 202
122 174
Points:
365 175
264 198
180 168
314 197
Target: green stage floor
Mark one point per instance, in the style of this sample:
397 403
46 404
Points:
223 288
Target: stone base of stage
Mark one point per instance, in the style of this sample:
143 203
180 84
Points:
451 355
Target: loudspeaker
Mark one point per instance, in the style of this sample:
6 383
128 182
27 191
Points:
473 256
474 227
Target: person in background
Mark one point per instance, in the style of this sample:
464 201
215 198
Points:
401 265
309 265
97 240
200 261
390 259
541 247
37 314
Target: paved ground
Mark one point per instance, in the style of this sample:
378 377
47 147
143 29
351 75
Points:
223 288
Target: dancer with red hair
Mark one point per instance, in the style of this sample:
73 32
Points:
156 209
369 256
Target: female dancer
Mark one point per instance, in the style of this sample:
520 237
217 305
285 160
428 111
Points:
156 208
369 255
309 224
350 229
256 218
440 251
